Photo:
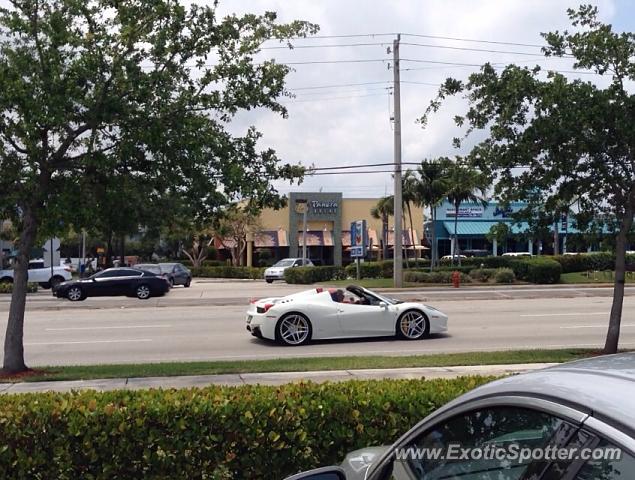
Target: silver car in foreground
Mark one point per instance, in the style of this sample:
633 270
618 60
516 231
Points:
575 421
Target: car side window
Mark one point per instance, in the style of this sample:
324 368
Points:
462 448
131 273
616 464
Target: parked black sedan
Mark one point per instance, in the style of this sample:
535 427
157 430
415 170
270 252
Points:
131 282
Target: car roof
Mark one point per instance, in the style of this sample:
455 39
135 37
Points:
603 387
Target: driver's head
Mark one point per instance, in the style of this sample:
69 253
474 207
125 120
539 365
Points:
337 295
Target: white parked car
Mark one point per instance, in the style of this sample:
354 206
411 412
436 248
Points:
41 275
517 254
276 272
319 313
447 258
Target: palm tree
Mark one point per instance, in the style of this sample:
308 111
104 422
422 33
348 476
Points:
432 188
466 184
409 196
381 211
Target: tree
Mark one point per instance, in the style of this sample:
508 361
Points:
499 233
409 197
465 184
431 190
233 227
574 140
382 211
145 88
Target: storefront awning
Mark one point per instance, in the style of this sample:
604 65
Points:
409 237
473 229
316 238
372 238
271 239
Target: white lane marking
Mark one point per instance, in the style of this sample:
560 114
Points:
598 326
563 314
67 329
91 342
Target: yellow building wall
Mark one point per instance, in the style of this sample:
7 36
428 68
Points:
352 209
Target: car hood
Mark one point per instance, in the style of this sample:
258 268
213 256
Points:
357 463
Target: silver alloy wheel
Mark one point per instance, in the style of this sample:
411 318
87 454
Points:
412 325
74 294
294 329
143 292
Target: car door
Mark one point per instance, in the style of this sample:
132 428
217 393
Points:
358 320
105 283
486 443
180 275
127 281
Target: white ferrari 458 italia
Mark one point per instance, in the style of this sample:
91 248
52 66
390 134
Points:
319 314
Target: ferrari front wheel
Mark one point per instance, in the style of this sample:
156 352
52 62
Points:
293 329
413 325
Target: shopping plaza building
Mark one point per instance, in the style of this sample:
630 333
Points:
328 233
329 218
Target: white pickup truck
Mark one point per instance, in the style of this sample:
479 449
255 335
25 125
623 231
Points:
41 275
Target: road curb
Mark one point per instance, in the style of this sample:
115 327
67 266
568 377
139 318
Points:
269 378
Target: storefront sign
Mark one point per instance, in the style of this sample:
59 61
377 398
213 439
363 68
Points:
465 212
358 238
323 207
503 212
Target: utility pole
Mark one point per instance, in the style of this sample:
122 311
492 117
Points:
398 256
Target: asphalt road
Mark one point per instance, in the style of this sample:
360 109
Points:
99 332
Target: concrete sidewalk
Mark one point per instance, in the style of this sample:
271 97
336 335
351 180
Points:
268 378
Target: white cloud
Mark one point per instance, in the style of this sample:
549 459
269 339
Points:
326 131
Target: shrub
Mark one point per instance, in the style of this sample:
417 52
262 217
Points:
416 277
308 275
483 274
228 271
216 432
463 269
541 270
6 287
366 270
586 261
504 275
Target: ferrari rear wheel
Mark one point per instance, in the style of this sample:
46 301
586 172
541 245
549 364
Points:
413 325
293 329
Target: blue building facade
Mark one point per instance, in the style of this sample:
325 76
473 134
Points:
475 221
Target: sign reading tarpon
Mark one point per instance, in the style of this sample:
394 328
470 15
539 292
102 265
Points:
465 212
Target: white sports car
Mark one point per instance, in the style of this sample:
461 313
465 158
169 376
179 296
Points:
337 313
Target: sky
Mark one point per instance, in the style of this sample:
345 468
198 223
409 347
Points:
350 125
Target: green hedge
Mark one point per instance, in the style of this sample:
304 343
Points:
308 275
206 263
504 275
584 262
538 270
229 272
6 287
433 277
383 269
214 433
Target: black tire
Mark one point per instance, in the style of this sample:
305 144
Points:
283 335
75 294
187 283
171 283
401 330
55 281
268 280
143 292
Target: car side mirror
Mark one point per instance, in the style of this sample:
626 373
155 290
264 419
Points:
325 473
383 304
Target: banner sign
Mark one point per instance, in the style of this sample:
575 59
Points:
359 238
465 212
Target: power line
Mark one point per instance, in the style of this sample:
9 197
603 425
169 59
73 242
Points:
336 98
447 47
354 90
461 39
331 45
365 165
315 87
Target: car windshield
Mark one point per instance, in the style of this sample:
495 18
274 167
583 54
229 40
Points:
287 262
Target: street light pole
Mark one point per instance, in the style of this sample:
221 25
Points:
398 256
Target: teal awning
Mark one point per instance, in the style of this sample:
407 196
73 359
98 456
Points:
476 228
